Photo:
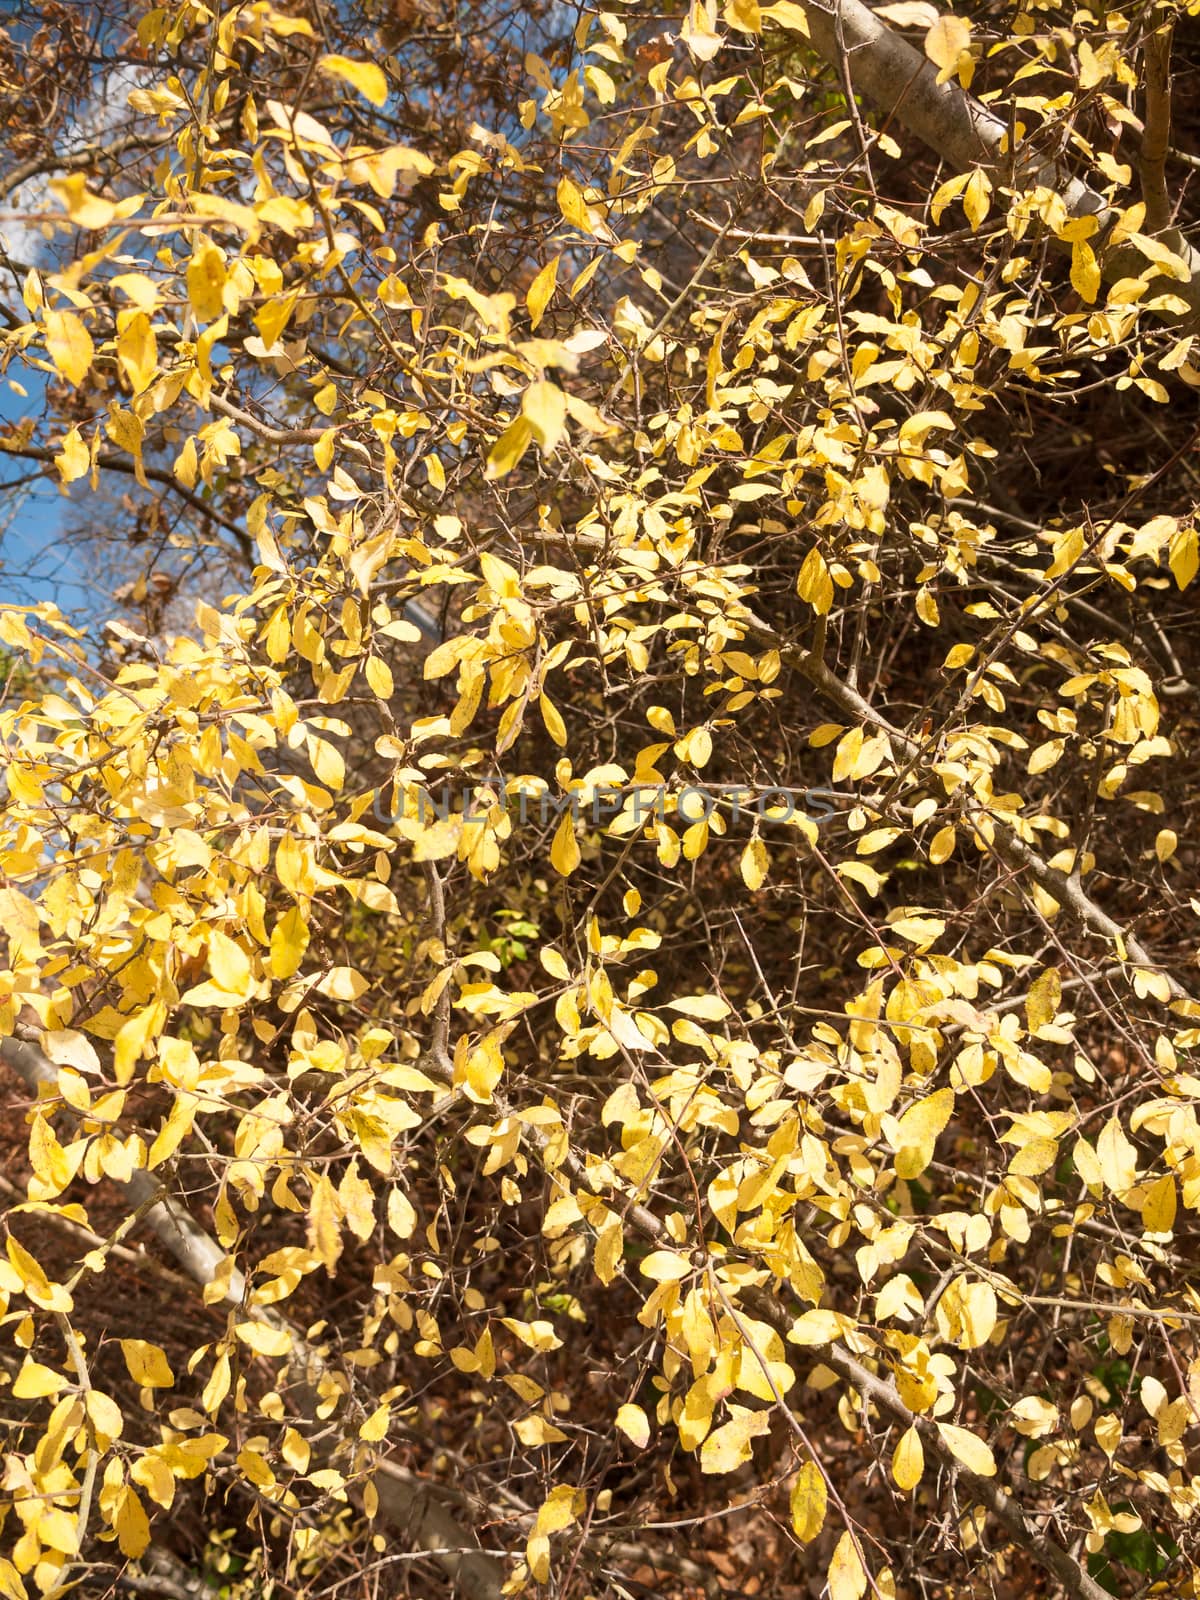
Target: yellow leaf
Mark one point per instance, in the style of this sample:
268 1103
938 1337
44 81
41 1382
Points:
1108 1434
263 1339
369 79
484 1069
917 930
206 280
323 449
634 1423
1174 266
1159 1205
698 34
572 204
977 197
379 677
49 1296
137 350
74 458
1035 1417
35 1382
133 1037
324 1218
819 1326
540 291
610 1247
147 1364
968 1448
808 1502
560 1509
173 1131
696 747
272 317
153 1474
744 15
730 1445
56 1530
376 1426
908 1460
509 448
327 763
538 1335
545 407
218 1384
186 469
1041 1003
357 1200
69 345
132 1524
966 1313
289 941
789 15
343 983
755 863
564 849
847 1575
85 209
229 965
814 583
1045 756
1184 556
917 1132
294 865
402 1218
941 847
665 1266
1085 271
536 1430
1117 1156
1034 1158
105 1416
945 43
704 1007
555 726
48 1158
1068 548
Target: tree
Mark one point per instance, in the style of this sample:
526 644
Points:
635 978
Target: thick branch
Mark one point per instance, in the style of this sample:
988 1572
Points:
880 1390
987 1492
1156 134
902 84
884 1395
408 1504
112 463
87 159
1005 843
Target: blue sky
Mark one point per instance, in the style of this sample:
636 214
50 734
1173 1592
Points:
35 561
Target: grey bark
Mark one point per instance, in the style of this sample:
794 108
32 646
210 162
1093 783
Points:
407 1504
902 84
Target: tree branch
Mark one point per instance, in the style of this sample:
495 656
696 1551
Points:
1156 133
1005 842
1076 1582
902 84
112 463
407 1503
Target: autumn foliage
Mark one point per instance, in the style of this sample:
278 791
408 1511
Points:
599 973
